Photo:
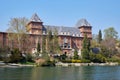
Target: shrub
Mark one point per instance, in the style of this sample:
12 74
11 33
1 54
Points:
85 61
97 58
66 61
76 61
48 63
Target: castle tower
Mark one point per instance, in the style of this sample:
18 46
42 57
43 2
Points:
84 27
35 25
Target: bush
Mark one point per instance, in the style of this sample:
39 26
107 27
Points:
48 63
16 56
76 61
29 58
97 58
85 61
66 61
113 60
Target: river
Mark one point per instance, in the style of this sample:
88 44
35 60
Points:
61 73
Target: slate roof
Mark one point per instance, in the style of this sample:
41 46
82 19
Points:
70 31
35 18
82 22
62 30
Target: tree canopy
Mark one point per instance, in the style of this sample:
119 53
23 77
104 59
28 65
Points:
110 33
17 33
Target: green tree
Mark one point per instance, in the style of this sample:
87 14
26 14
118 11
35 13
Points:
86 48
50 42
99 36
76 56
110 33
56 46
97 58
44 42
38 47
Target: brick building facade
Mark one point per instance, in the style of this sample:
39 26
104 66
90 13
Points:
70 38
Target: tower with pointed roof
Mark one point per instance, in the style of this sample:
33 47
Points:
84 27
35 25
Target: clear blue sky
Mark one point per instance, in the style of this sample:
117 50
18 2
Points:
101 14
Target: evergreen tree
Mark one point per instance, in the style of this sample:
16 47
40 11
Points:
85 54
44 44
99 36
86 48
38 47
76 56
88 45
56 42
50 42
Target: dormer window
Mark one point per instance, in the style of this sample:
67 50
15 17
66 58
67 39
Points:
68 33
73 34
65 33
77 35
61 33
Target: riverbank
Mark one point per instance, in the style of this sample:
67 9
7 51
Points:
2 64
61 64
86 64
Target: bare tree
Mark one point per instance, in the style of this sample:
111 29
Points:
17 33
110 44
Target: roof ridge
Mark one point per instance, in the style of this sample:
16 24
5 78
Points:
82 22
35 18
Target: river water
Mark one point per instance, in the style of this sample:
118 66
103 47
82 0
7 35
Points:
61 73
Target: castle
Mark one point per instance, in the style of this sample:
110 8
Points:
70 38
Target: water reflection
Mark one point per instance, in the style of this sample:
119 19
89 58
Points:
15 73
61 73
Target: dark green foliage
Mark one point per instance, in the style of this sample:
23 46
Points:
85 42
97 58
4 52
56 46
85 61
86 48
45 56
99 36
16 56
50 36
62 57
29 58
50 42
48 64
67 61
43 43
38 47
85 54
88 45
76 56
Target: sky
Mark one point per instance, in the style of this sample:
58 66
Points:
101 14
